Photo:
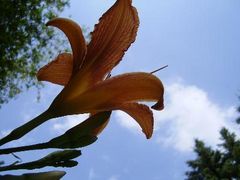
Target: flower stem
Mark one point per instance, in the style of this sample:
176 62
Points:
27 127
23 148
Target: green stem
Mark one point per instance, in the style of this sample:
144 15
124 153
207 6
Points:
27 127
24 148
5 168
55 159
29 166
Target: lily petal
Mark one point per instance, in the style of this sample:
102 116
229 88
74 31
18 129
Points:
75 37
113 35
58 71
98 130
105 95
142 114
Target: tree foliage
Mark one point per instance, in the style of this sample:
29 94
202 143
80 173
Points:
220 163
23 36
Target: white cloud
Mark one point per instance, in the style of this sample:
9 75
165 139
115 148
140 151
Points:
188 114
68 122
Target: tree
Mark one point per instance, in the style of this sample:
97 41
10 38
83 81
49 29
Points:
222 163
24 42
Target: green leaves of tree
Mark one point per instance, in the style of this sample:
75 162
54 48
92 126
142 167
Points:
221 163
23 36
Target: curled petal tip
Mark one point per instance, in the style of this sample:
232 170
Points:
149 136
50 22
158 106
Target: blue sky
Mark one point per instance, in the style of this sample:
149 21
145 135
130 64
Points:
200 41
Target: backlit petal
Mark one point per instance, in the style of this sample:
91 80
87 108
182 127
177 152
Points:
105 95
142 114
58 71
113 35
75 37
99 129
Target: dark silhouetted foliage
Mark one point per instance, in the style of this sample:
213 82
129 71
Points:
220 163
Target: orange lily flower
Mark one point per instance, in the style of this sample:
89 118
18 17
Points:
83 73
